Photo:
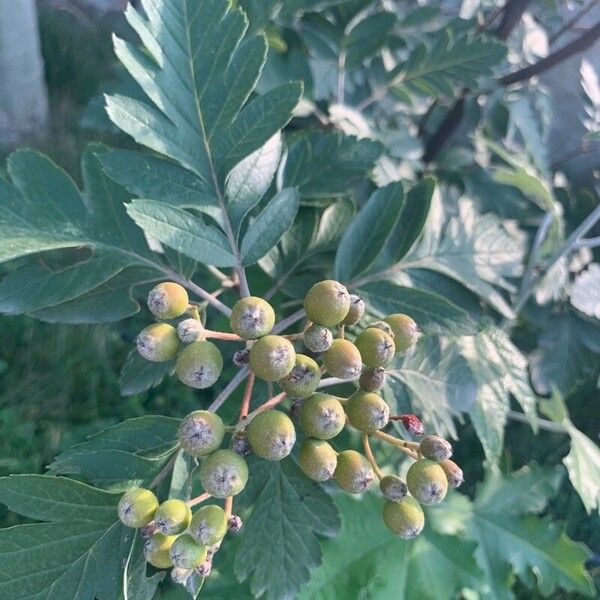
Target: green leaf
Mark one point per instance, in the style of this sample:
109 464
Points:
183 232
181 477
139 375
270 225
368 37
279 546
585 293
375 222
197 111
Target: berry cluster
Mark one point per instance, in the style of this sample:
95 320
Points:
177 539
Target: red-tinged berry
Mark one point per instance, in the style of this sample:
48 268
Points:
412 424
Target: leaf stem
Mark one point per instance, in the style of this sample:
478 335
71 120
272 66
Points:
199 291
229 389
400 444
164 471
370 457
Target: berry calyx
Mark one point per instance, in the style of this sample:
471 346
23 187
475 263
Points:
327 303
317 459
272 357
453 472
190 330
252 318
322 416
317 338
376 347
353 473
303 379
343 360
356 310
172 517
158 342
241 357
157 550
187 553
137 507
372 380
367 411
209 525
427 481
199 365
271 435
393 488
435 448
201 433
224 473
168 300
405 518
405 331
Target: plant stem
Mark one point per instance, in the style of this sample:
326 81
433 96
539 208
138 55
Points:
329 381
223 335
228 506
370 457
512 13
571 23
198 499
400 444
541 423
285 323
245 408
199 291
163 472
229 389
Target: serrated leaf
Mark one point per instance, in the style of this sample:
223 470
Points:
279 546
139 375
270 225
368 37
374 222
585 293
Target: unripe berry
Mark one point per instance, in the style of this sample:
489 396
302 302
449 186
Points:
303 379
241 357
158 342
435 448
454 473
376 347
353 472
356 311
317 459
272 357
201 432
383 326
168 300
190 330
252 317
157 550
271 435
327 303
173 517
199 365
405 518
317 338
393 488
209 525
224 473
367 411
187 553
372 380
427 481
322 416
405 331
137 507
343 360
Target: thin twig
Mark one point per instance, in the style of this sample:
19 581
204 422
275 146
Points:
589 243
245 408
285 323
198 499
541 423
400 444
370 457
199 291
329 381
572 22
228 507
513 11
223 335
229 389
163 472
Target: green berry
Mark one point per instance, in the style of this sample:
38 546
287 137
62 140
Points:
303 379
383 326
187 553
327 303
137 507
172 517
405 331
201 433
199 365
157 550
252 318
372 380
322 416
405 518
453 472
435 448
209 525
343 360
168 300
393 488
271 435
427 481
356 311
317 459
367 411
317 338
224 473
190 330
353 472
158 342
376 347
272 357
